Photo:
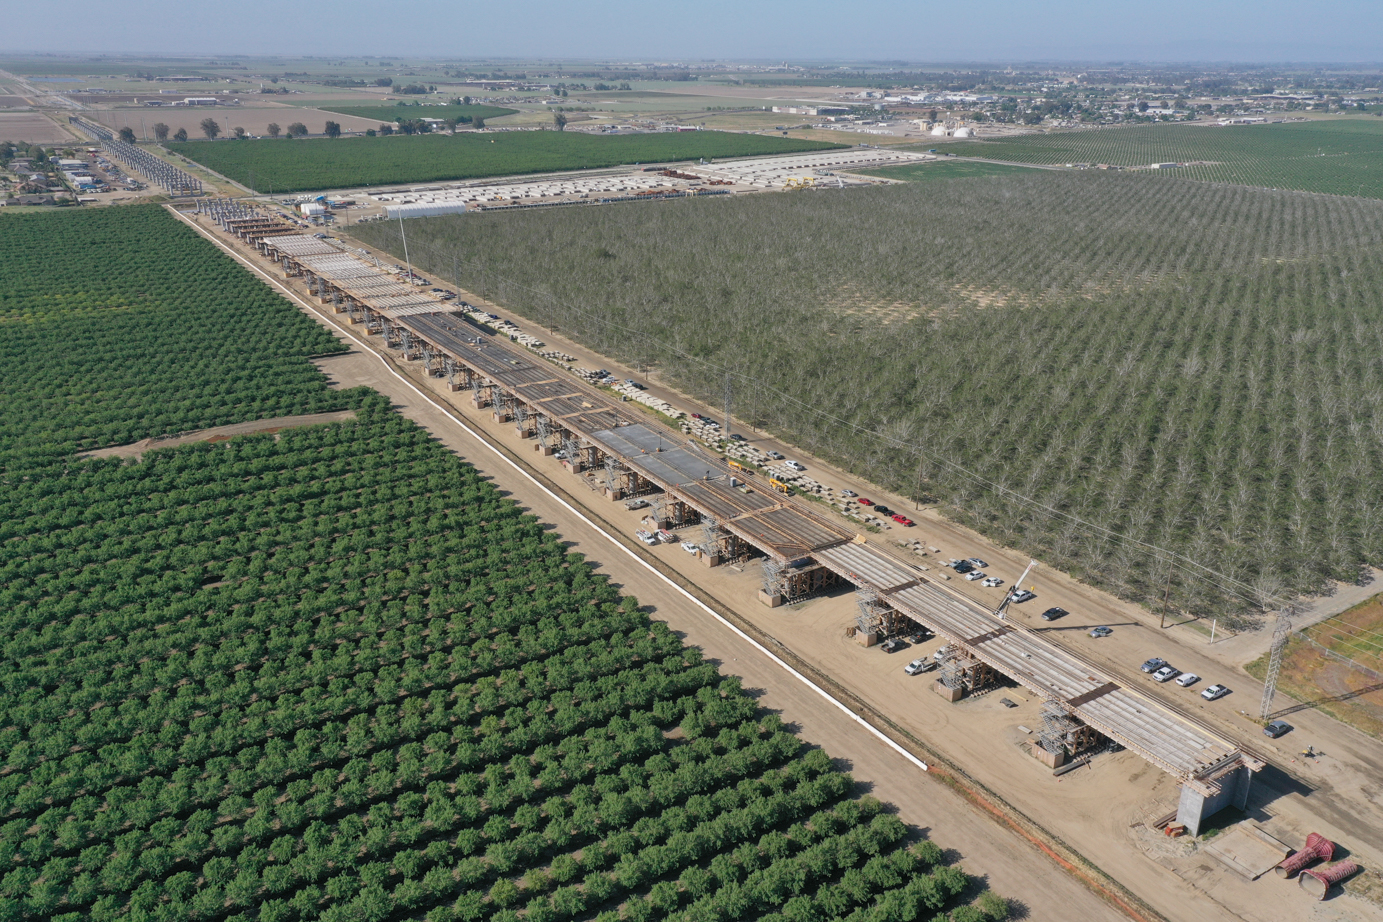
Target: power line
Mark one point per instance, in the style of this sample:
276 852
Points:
1187 566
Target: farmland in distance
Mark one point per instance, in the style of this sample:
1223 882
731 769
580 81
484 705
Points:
308 165
1189 366
352 681
1336 156
390 114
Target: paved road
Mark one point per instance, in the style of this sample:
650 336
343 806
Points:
39 95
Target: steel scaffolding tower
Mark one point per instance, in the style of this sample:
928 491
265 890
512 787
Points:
872 612
775 579
710 537
952 669
1057 725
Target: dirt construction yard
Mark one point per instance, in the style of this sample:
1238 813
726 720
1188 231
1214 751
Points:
1102 810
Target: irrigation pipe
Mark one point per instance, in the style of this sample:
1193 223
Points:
883 738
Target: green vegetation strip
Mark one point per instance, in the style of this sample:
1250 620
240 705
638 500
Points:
1338 156
391 114
1158 359
352 681
295 166
946 169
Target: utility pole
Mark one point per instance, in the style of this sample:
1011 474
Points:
917 496
1166 593
727 405
405 248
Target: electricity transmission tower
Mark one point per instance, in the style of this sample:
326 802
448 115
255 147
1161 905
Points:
1281 631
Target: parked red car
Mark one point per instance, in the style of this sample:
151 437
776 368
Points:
902 519
866 502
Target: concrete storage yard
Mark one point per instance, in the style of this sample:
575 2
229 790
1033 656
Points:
745 175
551 191
1105 808
776 172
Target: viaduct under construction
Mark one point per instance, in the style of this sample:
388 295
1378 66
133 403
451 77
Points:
804 551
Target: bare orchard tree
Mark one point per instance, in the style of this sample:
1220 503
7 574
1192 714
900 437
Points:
210 128
274 129
160 132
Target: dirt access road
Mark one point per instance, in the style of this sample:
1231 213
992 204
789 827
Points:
136 450
1098 809
1008 863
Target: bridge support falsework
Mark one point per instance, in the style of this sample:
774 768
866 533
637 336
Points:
804 551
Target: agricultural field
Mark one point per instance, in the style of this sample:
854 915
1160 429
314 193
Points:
944 169
31 128
1315 675
1337 156
1189 366
119 287
352 681
391 114
295 166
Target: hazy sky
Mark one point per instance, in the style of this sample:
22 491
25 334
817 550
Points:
999 31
